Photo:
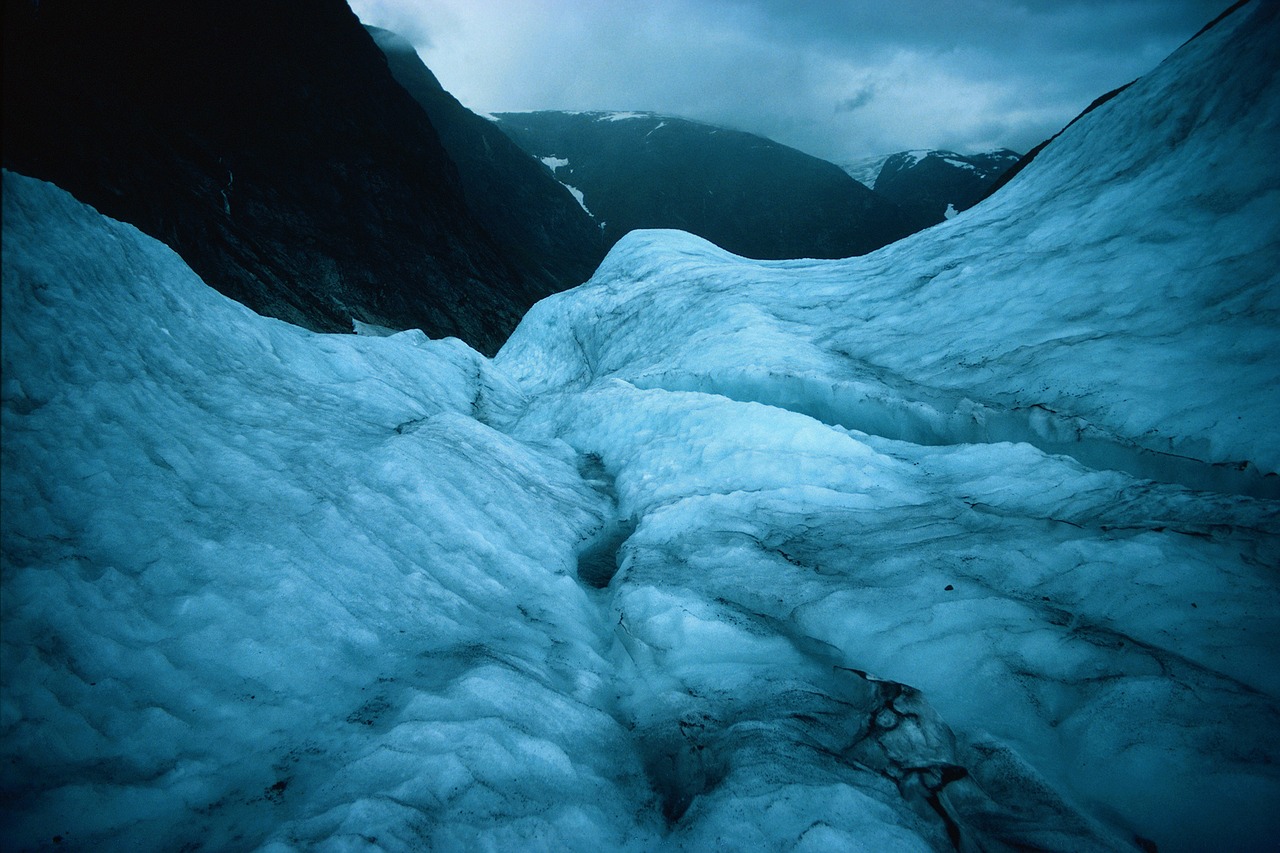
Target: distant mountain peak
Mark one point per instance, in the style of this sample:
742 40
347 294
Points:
932 184
748 194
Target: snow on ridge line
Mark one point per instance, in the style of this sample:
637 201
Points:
623 116
866 170
913 157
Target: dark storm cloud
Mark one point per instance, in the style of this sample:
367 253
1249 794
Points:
1061 23
840 79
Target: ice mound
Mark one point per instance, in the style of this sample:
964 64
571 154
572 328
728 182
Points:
261 583
1119 297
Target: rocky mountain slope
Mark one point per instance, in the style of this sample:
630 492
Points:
271 147
933 185
747 194
536 222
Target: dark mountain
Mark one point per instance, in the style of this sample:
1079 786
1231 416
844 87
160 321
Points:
931 186
270 146
745 193
535 220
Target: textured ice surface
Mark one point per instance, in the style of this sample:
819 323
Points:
264 584
1121 295
717 554
938 486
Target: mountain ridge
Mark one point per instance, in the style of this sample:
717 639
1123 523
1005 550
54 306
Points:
313 190
645 170
540 227
933 184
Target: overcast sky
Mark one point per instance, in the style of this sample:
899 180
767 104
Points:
840 80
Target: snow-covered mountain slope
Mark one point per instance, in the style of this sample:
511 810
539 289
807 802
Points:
743 192
269 589
865 170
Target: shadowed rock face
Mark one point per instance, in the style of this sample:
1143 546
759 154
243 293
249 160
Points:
744 193
535 220
929 186
270 146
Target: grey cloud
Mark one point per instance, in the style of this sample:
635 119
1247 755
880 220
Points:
943 24
407 19
837 79
856 101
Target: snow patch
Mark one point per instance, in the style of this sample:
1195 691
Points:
959 164
866 170
911 158
578 196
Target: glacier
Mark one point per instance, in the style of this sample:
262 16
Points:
970 543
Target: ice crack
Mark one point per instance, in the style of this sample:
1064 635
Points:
880 411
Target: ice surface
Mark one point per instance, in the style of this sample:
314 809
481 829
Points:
1117 291
716 554
1111 312
372 329
265 584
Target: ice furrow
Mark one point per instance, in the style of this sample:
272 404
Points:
878 410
